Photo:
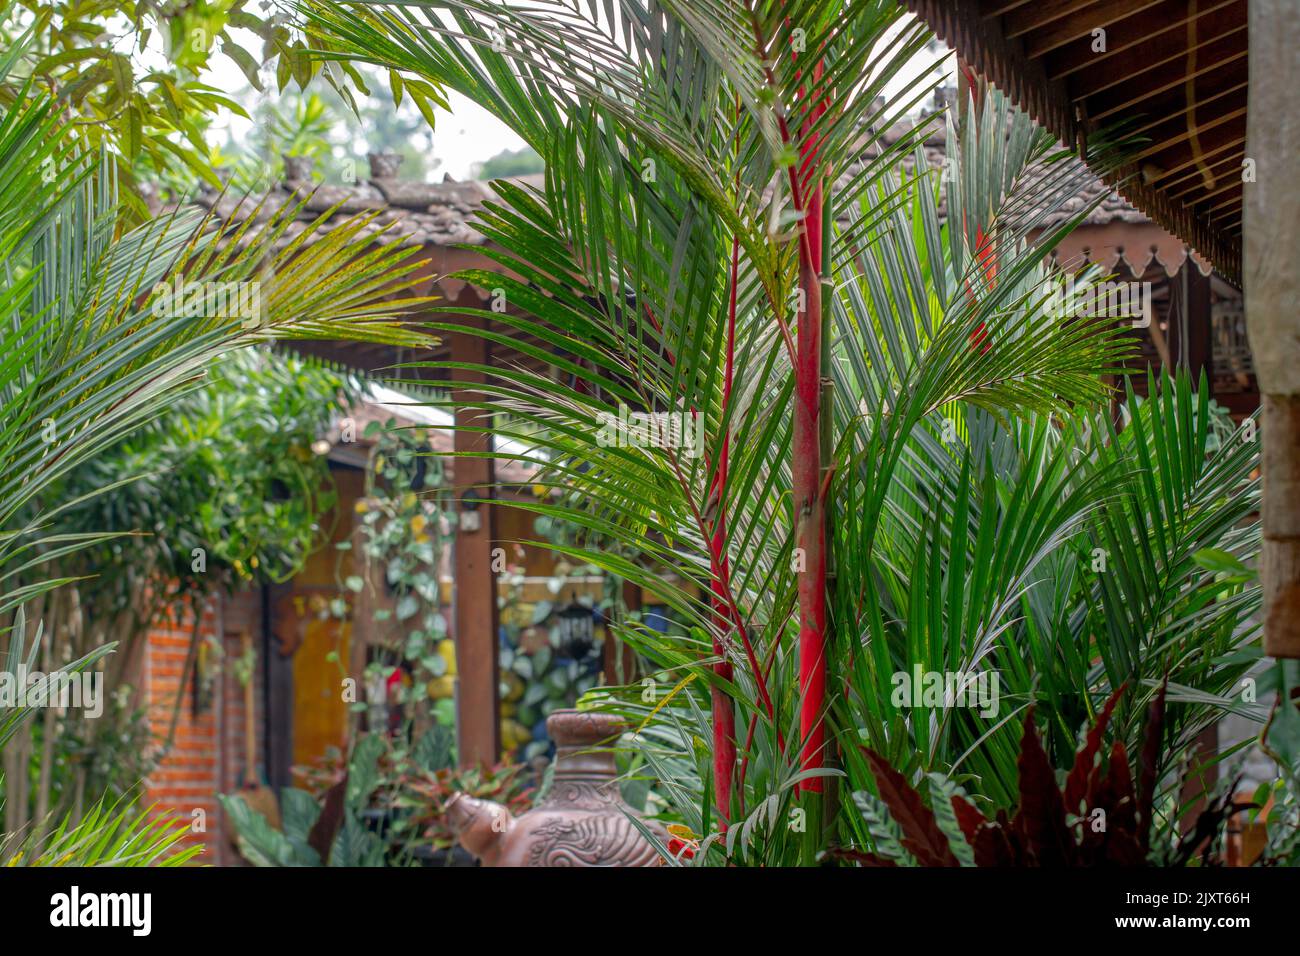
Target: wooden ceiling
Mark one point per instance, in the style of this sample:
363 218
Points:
1174 72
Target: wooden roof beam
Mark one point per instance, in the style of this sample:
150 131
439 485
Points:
1005 6
1233 183
1227 93
1081 24
1189 133
1152 56
983 42
1153 25
1135 97
1218 168
1035 17
1191 162
1229 210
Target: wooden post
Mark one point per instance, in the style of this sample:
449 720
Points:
474 602
276 715
1197 353
620 660
1194 351
1272 235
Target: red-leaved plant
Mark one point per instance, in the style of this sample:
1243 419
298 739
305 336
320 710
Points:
1102 816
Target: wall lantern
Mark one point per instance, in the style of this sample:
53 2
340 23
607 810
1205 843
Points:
575 629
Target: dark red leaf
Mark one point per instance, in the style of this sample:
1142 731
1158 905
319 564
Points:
321 836
1121 813
861 857
1122 849
968 817
1040 819
921 834
1086 765
1149 765
992 848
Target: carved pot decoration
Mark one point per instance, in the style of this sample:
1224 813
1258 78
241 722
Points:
582 822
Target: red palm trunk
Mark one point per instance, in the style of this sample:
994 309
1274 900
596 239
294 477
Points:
810 508
724 713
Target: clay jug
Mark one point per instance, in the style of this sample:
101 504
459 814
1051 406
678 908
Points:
582 822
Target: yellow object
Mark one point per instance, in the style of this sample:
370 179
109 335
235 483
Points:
513 734
447 651
514 686
442 687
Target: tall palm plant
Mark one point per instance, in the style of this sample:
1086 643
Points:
892 469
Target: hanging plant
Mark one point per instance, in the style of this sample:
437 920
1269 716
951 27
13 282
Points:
406 526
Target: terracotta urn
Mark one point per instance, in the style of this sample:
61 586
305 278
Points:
583 820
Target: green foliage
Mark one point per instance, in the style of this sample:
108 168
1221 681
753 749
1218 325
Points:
139 79
426 796
118 834
387 801
323 124
512 162
307 826
405 530
91 358
221 491
295 126
1277 805
539 674
22 656
1064 563
109 755
228 473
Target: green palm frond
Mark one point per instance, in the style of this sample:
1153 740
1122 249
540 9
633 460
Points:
118 834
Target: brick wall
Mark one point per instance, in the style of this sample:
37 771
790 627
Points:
207 754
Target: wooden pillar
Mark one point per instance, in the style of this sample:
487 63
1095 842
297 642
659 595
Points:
620 660
1272 290
474 602
1196 353
276 717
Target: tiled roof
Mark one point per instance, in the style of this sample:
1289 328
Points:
413 214
419 214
